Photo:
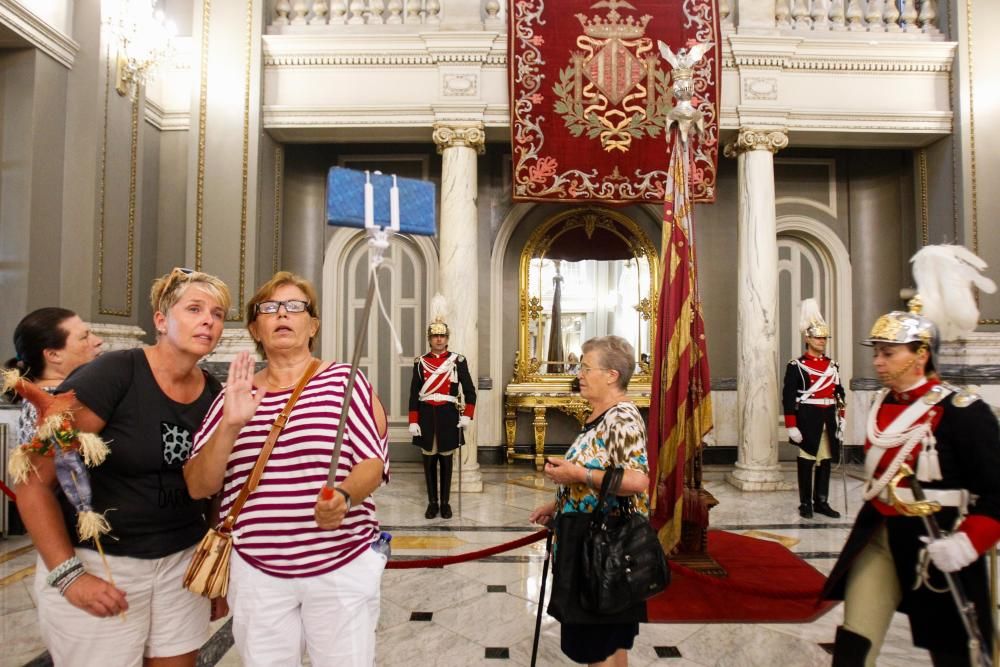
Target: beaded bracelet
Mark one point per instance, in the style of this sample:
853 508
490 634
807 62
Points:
68 580
60 570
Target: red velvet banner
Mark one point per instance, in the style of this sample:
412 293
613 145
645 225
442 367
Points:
589 94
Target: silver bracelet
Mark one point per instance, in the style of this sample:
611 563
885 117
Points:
69 579
62 569
590 477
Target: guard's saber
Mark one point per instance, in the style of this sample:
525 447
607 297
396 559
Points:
966 610
461 441
843 475
843 459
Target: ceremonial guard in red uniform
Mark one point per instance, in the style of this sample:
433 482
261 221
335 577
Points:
435 419
813 401
951 439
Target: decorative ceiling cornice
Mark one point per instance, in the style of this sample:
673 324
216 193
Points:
421 50
39 33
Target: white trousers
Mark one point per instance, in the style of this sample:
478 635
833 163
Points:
872 593
164 619
333 616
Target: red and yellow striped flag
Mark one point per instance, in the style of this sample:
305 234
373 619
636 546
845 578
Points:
680 412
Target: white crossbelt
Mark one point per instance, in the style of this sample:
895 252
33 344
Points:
818 401
445 398
959 498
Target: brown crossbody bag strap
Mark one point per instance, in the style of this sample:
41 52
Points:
265 453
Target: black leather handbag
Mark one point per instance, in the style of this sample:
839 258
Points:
621 559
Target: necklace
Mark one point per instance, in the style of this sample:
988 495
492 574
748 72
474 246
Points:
274 385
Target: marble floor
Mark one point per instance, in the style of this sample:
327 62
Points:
483 612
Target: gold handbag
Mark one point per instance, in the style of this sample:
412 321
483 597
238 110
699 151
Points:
208 573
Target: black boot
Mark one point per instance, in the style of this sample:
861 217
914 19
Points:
850 649
805 471
431 478
822 491
447 464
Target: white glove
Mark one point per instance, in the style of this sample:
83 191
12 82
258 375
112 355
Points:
795 435
464 421
952 553
415 430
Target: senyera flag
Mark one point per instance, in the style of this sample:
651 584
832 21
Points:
680 412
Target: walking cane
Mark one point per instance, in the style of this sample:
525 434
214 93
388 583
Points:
541 598
979 651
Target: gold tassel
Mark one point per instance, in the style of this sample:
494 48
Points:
93 449
91 525
19 466
10 376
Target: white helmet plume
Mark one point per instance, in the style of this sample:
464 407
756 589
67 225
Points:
811 322
439 309
945 275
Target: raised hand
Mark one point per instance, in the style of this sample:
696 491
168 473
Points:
242 399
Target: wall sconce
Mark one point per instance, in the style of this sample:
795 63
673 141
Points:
144 41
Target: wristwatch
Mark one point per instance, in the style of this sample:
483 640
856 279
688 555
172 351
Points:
347 497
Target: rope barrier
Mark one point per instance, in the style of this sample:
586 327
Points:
424 562
472 555
538 537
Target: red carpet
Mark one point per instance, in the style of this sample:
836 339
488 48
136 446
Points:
766 583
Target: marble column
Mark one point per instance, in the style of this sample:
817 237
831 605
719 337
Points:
757 389
458 275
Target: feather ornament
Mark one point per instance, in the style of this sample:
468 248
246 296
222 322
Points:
439 308
809 315
945 275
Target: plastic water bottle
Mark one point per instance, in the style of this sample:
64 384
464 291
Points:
382 545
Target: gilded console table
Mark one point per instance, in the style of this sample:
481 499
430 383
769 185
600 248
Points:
538 400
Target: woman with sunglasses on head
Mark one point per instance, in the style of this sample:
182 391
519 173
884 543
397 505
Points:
50 343
146 403
303 572
613 436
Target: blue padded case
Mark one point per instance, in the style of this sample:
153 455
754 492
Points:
345 201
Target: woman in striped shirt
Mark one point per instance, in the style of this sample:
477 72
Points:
302 567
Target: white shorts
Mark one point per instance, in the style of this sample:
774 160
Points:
333 615
163 619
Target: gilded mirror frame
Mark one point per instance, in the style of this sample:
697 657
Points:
526 365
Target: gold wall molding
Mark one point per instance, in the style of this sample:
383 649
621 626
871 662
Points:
924 212
199 213
750 139
206 21
102 308
279 176
450 135
245 167
973 175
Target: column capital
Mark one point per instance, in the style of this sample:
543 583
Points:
753 139
450 135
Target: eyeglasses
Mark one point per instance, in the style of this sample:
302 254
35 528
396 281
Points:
291 306
584 368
